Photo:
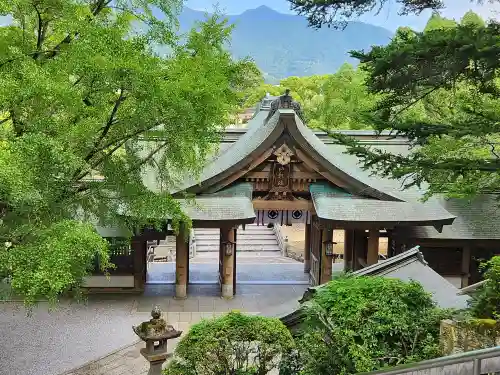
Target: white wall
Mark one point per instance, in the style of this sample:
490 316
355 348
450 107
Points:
456 281
109 282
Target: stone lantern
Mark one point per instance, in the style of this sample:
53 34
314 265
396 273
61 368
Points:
155 333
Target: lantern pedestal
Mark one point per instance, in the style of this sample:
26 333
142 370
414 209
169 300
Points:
156 333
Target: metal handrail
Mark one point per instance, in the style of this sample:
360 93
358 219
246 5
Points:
475 356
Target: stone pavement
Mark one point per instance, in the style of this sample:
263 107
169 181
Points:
72 336
251 268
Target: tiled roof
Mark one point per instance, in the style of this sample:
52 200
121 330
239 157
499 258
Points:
238 151
477 219
406 266
231 204
337 206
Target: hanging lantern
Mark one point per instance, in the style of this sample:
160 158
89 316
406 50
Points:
329 247
228 248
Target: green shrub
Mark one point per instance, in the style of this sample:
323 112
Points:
357 324
485 303
234 344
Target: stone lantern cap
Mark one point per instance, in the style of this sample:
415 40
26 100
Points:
156 329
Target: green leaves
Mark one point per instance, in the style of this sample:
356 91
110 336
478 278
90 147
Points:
485 303
358 324
232 344
81 94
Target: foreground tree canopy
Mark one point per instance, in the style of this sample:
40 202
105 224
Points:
337 12
80 88
357 324
331 101
440 88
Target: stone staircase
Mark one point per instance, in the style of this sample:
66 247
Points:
254 238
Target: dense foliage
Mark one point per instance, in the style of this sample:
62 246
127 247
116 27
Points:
80 90
337 12
440 88
232 344
333 101
357 324
485 303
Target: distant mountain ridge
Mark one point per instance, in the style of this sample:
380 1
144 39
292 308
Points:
283 45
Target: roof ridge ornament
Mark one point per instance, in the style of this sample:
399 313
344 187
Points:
285 101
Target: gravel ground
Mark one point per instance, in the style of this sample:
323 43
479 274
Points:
49 343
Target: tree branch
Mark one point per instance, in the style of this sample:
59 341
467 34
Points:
107 127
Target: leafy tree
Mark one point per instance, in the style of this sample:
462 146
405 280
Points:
357 324
440 89
232 344
80 94
331 101
336 12
485 303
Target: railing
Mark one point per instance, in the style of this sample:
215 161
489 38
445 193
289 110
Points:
478 362
282 240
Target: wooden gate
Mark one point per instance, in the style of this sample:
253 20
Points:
315 272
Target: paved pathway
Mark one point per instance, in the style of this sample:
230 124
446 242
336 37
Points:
50 343
251 268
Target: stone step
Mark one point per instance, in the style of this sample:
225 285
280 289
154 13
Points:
239 247
239 241
240 230
240 237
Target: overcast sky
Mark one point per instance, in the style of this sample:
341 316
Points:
387 18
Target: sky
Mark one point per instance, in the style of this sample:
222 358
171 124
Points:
387 18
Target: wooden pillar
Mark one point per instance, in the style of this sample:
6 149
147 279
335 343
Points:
139 248
466 258
181 265
307 249
348 249
373 246
326 260
227 287
359 250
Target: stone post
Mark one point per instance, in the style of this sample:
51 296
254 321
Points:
155 333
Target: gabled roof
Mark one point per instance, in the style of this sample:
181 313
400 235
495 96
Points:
273 121
340 208
409 265
477 219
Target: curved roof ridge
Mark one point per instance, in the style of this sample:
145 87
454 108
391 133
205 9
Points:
257 134
379 185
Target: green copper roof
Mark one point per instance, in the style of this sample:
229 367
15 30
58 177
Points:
337 206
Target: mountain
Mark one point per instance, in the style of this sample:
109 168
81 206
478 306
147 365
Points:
283 45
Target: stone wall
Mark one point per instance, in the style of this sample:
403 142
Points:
464 336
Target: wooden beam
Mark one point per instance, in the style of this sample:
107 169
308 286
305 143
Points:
296 175
229 180
260 204
315 167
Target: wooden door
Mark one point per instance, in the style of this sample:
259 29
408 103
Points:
315 272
